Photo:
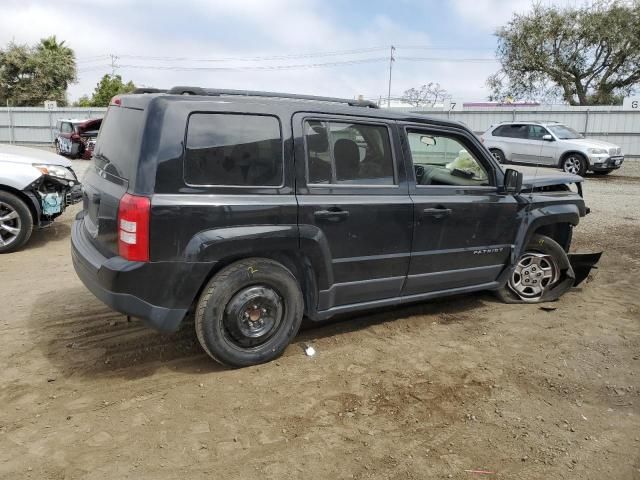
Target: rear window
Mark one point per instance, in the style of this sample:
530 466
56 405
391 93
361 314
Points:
226 149
511 131
118 142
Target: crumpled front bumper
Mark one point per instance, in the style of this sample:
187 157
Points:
582 264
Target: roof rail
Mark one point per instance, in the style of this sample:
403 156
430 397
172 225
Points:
256 93
149 90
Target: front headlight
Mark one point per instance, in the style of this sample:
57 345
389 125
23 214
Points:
597 151
55 171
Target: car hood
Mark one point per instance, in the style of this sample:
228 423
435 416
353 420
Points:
26 155
533 180
590 143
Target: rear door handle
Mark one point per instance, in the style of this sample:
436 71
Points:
436 212
331 215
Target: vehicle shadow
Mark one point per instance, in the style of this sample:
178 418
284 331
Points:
446 310
42 236
81 336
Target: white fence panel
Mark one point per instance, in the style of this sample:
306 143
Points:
35 125
611 124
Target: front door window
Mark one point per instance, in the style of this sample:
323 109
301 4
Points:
443 160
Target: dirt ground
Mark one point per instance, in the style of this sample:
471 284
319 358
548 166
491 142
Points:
436 390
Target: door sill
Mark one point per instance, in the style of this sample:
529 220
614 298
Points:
325 314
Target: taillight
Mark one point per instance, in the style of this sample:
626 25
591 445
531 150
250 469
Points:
133 228
116 101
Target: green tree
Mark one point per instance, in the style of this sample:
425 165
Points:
108 87
587 55
31 75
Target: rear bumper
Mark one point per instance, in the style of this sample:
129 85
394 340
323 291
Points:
159 293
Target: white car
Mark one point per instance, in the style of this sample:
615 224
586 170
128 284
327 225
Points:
35 187
551 144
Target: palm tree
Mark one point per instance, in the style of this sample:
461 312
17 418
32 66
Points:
51 44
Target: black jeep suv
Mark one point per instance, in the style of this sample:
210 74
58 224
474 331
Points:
254 209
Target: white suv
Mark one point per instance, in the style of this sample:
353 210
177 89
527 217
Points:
551 144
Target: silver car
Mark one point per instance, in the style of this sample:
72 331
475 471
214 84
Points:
551 144
35 188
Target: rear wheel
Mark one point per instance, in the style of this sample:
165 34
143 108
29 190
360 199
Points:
574 163
16 223
498 155
249 312
539 269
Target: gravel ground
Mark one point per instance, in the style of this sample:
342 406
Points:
461 388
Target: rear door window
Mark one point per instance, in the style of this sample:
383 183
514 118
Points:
348 153
224 149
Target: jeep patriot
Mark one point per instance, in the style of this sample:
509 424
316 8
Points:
250 210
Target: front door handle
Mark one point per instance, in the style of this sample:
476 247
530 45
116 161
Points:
436 212
331 215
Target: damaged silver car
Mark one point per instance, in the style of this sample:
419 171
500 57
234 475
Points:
36 186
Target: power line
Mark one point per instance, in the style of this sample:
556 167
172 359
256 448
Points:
256 58
285 56
255 67
454 60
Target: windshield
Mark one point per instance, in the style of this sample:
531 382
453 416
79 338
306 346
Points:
563 132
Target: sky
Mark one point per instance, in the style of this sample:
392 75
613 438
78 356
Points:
274 45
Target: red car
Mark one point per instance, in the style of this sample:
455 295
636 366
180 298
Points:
76 138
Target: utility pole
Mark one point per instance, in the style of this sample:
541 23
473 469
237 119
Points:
391 60
114 58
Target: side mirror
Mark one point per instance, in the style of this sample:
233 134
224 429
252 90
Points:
547 138
512 181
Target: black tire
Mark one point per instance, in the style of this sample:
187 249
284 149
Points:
563 276
222 320
57 147
574 163
498 155
602 172
11 205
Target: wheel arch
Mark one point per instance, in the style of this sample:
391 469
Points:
303 250
574 152
30 201
561 232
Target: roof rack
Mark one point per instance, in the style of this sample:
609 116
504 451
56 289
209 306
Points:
149 90
256 93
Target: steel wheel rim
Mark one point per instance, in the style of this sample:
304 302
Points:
534 274
253 315
10 224
496 155
572 165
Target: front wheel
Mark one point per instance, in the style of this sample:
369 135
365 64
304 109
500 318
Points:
498 155
16 223
575 164
249 312
542 273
